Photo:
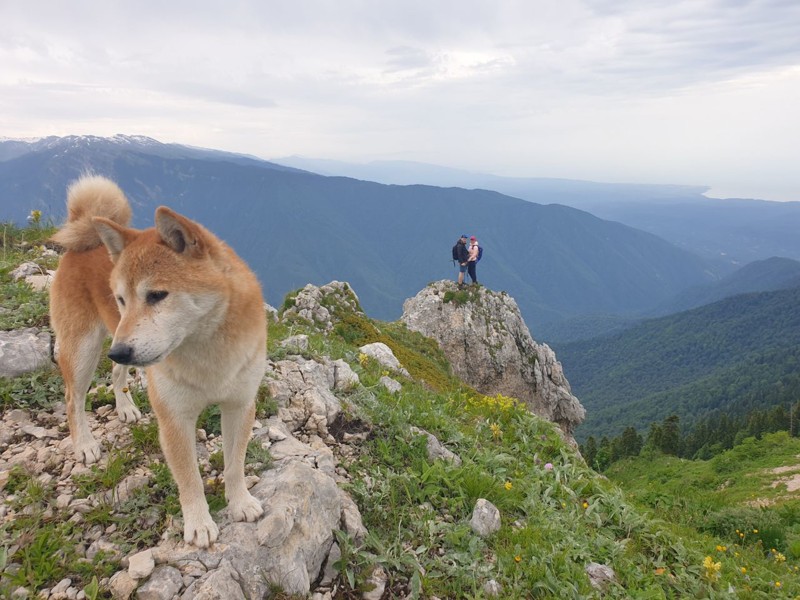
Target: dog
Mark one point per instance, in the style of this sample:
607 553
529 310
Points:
180 303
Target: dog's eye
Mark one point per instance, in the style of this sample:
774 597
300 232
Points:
121 300
156 297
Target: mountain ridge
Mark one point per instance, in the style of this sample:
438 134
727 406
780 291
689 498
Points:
729 232
296 227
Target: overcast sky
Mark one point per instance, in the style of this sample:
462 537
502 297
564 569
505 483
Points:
650 91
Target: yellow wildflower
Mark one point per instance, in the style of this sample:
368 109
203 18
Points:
585 505
508 485
35 217
744 570
712 568
517 558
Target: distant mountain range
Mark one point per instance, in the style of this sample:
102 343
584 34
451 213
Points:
759 276
388 241
774 273
734 355
728 232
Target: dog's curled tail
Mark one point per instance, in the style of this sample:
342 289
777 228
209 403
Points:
87 197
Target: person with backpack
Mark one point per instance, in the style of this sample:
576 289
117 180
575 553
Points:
473 256
461 256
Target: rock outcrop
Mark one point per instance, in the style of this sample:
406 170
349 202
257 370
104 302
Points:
490 348
23 351
319 305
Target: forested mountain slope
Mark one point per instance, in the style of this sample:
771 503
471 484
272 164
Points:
734 355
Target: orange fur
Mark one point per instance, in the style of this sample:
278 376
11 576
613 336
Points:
182 304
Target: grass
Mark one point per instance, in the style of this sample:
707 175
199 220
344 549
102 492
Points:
736 496
670 534
21 305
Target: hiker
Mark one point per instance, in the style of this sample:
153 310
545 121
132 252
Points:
472 258
461 256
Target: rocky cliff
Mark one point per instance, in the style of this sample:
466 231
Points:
490 348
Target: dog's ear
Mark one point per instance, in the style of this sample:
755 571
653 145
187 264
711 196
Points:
113 235
179 233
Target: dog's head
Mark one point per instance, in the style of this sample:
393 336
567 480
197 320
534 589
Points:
167 286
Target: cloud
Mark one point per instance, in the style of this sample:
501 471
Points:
629 89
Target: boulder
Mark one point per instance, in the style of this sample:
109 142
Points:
26 269
23 351
384 356
485 518
288 546
484 337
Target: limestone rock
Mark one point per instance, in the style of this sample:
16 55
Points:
302 389
344 378
121 585
384 355
163 584
435 448
220 584
390 384
272 313
490 348
485 518
287 546
23 351
26 269
141 564
320 305
600 576
376 584
40 282
296 343
492 589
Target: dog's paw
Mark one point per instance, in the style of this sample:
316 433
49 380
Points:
129 414
200 531
247 509
87 452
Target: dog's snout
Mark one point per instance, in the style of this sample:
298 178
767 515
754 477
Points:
121 353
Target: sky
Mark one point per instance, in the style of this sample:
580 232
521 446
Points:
695 92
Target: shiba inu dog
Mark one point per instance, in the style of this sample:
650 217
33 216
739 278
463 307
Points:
178 302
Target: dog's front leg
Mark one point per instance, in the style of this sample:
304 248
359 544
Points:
126 409
177 434
237 425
